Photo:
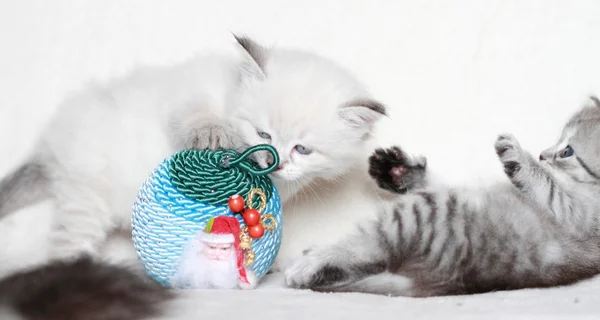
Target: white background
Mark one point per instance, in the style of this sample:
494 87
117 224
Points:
453 73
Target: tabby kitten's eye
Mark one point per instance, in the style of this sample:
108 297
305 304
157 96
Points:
302 150
567 152
264 135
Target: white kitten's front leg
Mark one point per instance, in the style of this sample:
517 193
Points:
195 127
210 136
81 226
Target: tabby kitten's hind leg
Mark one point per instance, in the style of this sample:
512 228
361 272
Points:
357 257
396 172
365 261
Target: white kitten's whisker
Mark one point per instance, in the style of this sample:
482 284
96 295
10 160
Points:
325 191
315 193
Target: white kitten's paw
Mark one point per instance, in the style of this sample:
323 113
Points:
511 154
212 136
312 271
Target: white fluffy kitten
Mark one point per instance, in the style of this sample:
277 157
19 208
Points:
104 141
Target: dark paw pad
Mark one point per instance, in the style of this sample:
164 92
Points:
397 173
394 171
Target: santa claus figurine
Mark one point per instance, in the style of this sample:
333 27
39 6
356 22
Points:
214 259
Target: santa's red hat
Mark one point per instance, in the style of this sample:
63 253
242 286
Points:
223 229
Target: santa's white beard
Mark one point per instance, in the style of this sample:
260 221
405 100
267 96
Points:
196 271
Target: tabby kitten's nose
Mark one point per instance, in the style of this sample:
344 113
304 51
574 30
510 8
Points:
542 157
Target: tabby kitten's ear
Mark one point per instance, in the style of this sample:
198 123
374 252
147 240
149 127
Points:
361 113
255 58
595 100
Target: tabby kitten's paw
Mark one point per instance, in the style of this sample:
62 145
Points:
213 137
394 171
310 271
511 154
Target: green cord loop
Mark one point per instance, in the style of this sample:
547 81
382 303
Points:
252 169
212 177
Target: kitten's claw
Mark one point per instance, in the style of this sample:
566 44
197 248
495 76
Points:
213 137
394 171
510 153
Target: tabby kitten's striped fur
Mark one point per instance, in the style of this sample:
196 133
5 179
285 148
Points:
540 230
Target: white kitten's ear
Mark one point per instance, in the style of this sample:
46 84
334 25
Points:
255 60
361 113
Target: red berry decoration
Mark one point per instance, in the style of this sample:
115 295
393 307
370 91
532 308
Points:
236 203
251 217
256 231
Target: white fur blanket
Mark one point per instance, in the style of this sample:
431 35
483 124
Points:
271 301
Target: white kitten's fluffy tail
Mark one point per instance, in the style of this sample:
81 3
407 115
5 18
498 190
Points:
81 289
24 186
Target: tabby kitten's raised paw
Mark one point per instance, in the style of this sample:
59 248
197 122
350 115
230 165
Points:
511 154
394 171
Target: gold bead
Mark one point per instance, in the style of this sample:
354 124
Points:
245 240
245 245
250 256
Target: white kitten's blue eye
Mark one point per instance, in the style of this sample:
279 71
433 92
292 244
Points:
302 150
567 152
264 135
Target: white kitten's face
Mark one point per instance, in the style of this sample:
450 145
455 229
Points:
311 111
307 149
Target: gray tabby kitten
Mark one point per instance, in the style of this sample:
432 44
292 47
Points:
540 230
